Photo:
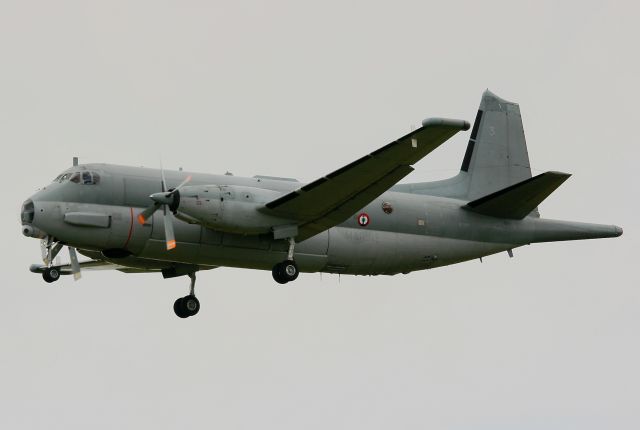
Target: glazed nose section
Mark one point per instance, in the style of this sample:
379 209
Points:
26 216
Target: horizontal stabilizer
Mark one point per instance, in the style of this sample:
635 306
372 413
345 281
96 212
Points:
519 200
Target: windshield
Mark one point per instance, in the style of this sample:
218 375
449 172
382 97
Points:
85 178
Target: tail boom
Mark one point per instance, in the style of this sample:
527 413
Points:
548 230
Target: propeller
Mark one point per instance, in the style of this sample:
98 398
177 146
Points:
167 199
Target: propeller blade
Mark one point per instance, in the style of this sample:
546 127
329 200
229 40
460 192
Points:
164 181
146 214
182 184
75 266
169 235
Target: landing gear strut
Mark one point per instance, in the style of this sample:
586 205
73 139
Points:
189 305
287 270
51 250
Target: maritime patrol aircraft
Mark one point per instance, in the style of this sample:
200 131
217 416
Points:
355 220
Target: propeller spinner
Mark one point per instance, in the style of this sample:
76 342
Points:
165 199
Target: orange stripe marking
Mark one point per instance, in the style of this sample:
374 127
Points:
130 229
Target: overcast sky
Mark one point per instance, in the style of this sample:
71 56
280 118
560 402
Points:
546 340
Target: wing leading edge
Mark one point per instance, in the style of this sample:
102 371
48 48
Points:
333 198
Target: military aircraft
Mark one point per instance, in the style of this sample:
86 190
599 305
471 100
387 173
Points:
355 220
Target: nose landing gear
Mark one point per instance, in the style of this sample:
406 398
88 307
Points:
50 274
50 251
188 305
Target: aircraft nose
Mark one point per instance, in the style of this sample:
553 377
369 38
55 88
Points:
618 230
27 212
26 216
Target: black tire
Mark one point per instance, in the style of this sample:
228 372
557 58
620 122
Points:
179 309
278 274
51 274
290 270
190 305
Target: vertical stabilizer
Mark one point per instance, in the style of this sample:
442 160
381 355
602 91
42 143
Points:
496 155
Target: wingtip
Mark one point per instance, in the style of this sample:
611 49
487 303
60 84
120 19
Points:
447 122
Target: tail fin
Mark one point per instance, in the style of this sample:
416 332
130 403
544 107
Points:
496 156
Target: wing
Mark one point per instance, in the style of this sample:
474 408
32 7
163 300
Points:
333 198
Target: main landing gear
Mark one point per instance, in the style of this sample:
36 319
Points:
189 305
286 271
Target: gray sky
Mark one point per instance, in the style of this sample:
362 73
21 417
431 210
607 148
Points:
548 339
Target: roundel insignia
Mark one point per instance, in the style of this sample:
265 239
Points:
363 219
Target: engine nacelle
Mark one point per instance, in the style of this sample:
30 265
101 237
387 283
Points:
229 208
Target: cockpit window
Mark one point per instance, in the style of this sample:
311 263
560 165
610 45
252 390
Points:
84 178
62 177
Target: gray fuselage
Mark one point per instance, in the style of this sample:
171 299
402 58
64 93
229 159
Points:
415 232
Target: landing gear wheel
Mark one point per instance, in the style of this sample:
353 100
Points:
186 306
290 270
179 309
191 305
50 274
276 272
286 271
